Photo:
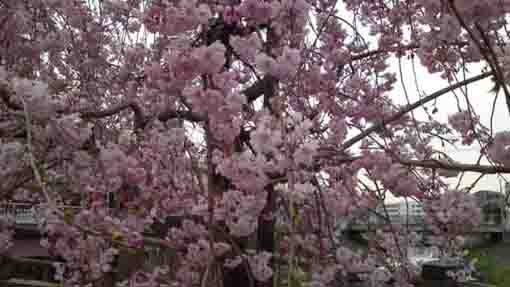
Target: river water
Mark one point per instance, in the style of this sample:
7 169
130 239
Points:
422 254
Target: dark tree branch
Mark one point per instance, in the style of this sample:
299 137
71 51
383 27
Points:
31 261
436 164
394 49
376 127
259 88
140 120
185 115
487 52
112 111
137 110
432 164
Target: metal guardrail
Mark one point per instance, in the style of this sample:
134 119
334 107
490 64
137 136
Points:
21 283
421 225
23 213
489 221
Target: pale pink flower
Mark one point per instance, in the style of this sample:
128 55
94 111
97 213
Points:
210 59
6 234
499 150
68 130
203 13
305 153
266 64
246 47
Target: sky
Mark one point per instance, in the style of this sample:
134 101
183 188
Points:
478 94
480 98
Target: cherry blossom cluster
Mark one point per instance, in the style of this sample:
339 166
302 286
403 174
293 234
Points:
6 233
393 176
450 216
465 123
453 207
234 115
175 18
282 67
241 212
499 149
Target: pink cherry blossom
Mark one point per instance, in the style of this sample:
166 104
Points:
464 122
6 234
211 58
206 129
499 150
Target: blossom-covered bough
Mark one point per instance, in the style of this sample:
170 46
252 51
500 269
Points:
257 124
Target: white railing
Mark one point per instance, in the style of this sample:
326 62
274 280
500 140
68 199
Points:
489 221
21 212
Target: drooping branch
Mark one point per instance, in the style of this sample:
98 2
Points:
461 167
376 127
431 164
487 52
141 120
137 110
394 49
252 93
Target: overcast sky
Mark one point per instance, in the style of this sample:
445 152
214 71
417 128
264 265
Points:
479 96
481 99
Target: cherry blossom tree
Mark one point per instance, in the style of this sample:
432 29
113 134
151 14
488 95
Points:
255 125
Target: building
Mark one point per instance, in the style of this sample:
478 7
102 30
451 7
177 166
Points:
393 210
414 209
398 212
493 206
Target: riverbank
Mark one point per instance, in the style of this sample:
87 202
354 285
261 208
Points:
493 262
499 251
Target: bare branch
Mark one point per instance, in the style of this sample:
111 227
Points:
434 164
487 52
140 119
185 115
485 169
259 88
411 107
397 49
113 110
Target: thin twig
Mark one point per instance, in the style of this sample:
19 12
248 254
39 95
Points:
347 144
37 175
